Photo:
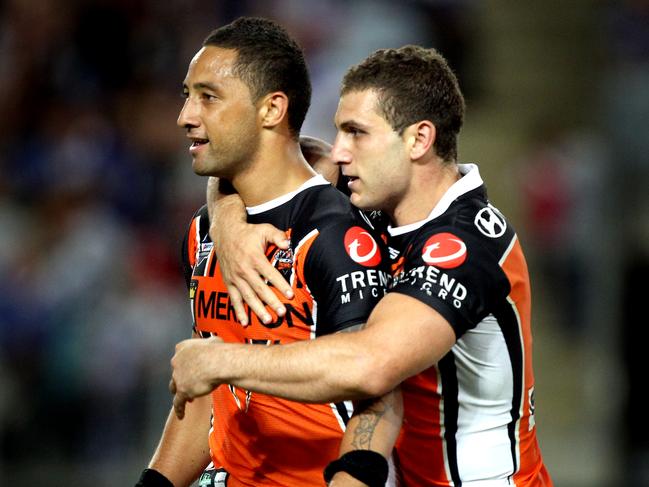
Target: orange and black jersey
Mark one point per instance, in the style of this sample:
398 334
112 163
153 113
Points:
469 419
338 271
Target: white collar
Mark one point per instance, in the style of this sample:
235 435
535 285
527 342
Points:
469 181
317 180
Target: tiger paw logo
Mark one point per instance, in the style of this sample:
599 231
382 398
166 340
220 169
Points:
281 259
361 247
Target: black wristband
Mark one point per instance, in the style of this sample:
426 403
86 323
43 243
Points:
367 466
153 478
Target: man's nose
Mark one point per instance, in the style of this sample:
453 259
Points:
188 116
339 152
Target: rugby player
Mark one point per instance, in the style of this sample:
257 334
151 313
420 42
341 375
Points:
454 330
247 91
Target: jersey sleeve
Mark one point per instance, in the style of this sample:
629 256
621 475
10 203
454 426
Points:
453 272
185 257
195 234
347 273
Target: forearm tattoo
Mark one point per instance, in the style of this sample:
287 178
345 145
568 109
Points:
369 416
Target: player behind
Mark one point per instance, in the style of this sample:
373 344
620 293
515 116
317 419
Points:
247 91
454 330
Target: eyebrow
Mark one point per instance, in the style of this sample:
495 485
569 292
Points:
201 86
347 124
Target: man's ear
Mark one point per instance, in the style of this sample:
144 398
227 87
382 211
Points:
273 108
420 138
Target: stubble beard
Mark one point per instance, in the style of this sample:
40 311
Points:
234 158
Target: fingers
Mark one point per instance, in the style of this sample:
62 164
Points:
251 286
266 294
179 400
274 236
247 272
179 405
267 273
251 298
272 275
256 291
237 304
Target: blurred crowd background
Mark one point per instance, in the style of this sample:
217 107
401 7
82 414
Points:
96 190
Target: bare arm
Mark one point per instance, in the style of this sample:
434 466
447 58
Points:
403 337
183 451
374 426
241 247
241 253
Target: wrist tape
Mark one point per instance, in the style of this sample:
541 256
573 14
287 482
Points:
153 478
366 466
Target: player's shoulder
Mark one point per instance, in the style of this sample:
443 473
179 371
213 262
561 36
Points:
477 216
328 195
201 213
470 225
342 227
199 224
324 206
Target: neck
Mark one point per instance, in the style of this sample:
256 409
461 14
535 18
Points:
428 185
278 168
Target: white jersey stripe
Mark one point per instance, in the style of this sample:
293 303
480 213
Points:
483 442
314 310
349 407
522 401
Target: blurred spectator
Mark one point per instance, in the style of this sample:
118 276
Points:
561 182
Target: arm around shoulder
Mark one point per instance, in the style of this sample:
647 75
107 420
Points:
403 337
240 247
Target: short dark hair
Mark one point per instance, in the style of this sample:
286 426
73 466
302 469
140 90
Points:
413 84
268 60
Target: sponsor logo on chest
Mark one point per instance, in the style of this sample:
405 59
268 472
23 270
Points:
361 284
433 281
361 247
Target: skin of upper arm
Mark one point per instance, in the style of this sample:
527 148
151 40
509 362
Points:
406 336
402 337
183 451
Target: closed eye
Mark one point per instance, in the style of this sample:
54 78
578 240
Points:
352 129
355 132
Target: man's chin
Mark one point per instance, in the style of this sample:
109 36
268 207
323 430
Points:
358 202
199 168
